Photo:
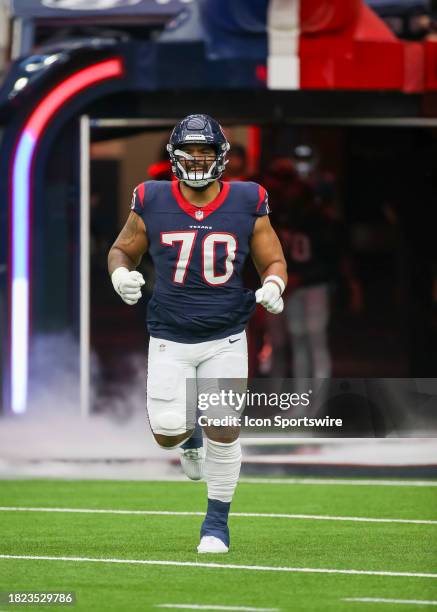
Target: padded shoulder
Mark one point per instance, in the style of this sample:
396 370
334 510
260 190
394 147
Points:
145 194
253 195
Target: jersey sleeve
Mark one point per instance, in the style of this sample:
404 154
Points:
137 204
262 206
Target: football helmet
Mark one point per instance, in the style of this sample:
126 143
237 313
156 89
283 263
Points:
197 172
305 160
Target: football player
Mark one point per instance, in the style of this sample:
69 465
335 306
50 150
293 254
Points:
199 231
315 246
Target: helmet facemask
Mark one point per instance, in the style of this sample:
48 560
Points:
198 171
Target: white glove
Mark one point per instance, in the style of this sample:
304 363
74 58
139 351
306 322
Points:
128 284
269 295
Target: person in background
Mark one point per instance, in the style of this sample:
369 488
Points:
236 168
315 247
323 183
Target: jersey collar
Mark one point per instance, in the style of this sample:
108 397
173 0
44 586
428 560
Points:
199 212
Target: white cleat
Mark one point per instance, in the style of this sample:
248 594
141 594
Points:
211 544
193 462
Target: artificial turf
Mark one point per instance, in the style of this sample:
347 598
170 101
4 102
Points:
255 541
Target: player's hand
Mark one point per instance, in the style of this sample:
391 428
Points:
128 284
269 296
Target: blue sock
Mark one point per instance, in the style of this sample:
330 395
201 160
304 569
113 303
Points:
196 438
216 520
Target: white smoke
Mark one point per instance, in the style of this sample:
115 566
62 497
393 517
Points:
52 438
54 381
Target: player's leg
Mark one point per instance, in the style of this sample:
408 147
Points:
194 442
317 317
192 455
297 327
317 309
171 412
276 327
223 359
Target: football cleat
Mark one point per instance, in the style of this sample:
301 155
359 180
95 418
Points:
193 462
213 545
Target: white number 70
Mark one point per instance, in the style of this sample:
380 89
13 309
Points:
187 240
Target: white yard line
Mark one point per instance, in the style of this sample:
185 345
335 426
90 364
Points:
368 482
99 511
412 602
253 568
339 481
203 607
321 517
311 517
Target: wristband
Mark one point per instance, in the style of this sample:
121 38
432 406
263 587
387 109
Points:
275 279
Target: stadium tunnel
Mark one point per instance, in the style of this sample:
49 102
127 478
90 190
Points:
320 62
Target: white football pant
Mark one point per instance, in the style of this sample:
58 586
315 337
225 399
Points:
307 311
170 364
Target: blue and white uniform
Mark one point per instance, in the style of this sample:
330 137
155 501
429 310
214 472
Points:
199 307
198 255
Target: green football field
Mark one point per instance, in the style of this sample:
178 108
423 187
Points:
318 545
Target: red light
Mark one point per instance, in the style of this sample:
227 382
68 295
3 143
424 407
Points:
261 73
72 85
254 148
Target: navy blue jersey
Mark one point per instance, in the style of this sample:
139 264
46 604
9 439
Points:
313 246
198 255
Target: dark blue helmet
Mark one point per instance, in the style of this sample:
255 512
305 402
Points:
197 129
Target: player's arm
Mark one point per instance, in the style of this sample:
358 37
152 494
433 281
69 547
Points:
269 260
125 255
